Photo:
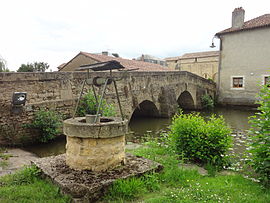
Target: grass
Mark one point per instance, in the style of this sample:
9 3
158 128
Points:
175 184
27 186
4 158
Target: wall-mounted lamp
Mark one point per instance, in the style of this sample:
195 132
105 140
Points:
213 45
19 98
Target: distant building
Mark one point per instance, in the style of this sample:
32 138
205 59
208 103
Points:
151 59
84 58
244 58
204 64
61 66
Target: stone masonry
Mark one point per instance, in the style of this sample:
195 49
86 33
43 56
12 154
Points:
95 146
60 90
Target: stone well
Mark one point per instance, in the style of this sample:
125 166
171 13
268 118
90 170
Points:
95 146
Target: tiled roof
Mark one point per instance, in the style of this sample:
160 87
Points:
194 55
200 54
172 58
128 64
61 66
259 22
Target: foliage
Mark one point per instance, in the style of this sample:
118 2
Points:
34 67
25 176
3 66
260 137
48 124
177 184
200 141
207 102
88 105
27 186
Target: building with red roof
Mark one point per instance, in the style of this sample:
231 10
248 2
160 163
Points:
244 62
84 58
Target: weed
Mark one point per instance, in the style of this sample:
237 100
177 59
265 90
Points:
48 124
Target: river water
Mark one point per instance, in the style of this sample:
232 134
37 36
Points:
237 119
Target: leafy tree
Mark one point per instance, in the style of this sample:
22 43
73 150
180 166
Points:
40 66
260 136
34 67
26 68
3 67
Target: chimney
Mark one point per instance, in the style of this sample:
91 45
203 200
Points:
142 57
238 17
105 53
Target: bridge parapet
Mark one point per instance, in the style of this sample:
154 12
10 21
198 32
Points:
59 91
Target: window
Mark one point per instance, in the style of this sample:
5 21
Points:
266 80
237 82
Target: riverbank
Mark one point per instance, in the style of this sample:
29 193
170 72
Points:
13 159
176 183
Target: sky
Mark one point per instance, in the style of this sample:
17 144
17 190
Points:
54 31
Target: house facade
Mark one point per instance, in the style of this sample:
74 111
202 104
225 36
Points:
244 59
204 64
84 58
151 59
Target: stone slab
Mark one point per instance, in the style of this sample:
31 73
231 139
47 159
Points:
89 186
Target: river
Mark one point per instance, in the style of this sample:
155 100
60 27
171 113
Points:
237 119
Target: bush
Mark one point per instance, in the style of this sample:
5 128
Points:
88 105
48 124
260 137
200 141
207 102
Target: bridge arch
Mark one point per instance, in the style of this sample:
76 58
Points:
145 109
186 101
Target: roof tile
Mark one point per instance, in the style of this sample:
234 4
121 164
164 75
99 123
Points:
259 22
127 63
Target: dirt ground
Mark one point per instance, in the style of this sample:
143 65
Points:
15 160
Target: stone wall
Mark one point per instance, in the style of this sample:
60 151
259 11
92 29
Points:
59 91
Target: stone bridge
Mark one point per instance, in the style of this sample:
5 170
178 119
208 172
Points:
156 94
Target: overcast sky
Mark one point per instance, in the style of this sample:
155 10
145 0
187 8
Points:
54 31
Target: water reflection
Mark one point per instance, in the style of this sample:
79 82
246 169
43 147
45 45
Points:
237 119
56 147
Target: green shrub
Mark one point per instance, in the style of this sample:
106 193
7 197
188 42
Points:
260 137
207 102
88 105
48 124
200 141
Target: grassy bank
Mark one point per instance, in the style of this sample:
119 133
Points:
173 184
176 184
27 186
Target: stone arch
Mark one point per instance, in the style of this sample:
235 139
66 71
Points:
146 109
186 101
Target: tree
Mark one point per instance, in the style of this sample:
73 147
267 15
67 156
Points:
34 67
26 68
3 66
